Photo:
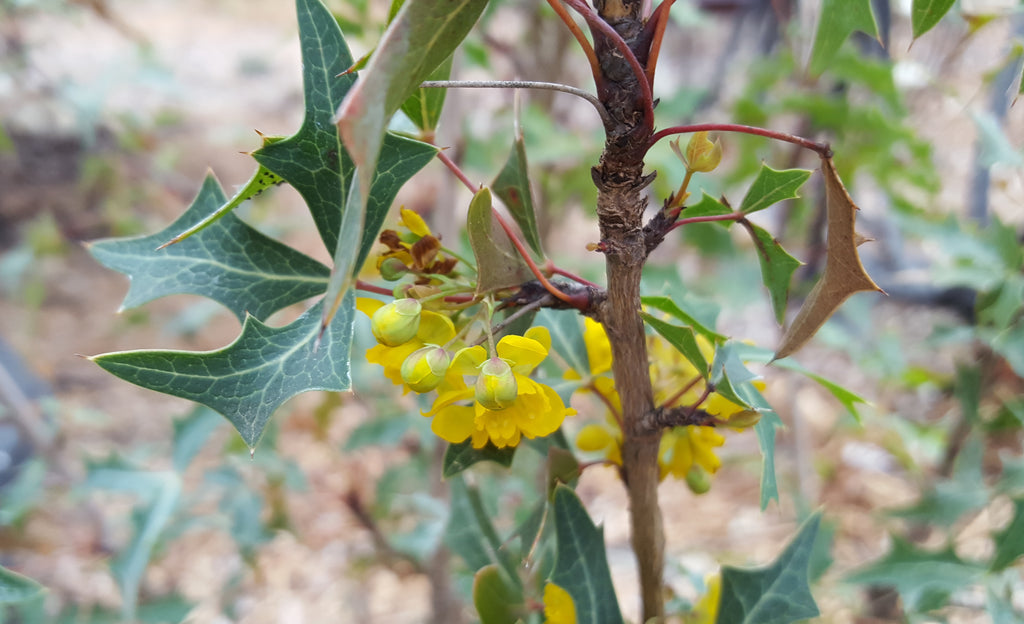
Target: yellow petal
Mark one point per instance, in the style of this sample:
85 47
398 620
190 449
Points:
368 306
414 222
541 335
453 424
435 328
599 350
594 437
524 353
559 607
468 361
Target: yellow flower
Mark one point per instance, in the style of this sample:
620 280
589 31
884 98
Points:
685 447
706 610
434 329
558 605
536 411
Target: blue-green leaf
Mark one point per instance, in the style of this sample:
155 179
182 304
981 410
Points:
15 588
1009 542
227 261
461 456
566 330
683 339
581 565
701 320
250 378
925 14
777 594
777 268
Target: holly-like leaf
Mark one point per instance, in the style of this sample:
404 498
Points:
15 588
250 378
227 261
260 181
921 577
512 186
496 601
160 493
844 274
461 456
498 264
777 594
708 206
424 106
190 434
839 18
1010 541
581 565
925 14
422 35
683 339
771 186
777 267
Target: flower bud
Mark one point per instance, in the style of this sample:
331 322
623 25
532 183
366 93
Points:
698 480
496 386
702 154
392 269
744 419
425 368
397 322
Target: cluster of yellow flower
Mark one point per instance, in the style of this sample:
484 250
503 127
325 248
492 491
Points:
421 350
686 452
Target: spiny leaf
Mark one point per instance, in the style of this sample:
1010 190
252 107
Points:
839 18
15 588
919 575
777 267
512 186
424 106
771 186
250 378
496 601
227 261
581 565
777 594
160 493
420 37
260 181
498 265
683 339
924 14
707 206
461 456
844 274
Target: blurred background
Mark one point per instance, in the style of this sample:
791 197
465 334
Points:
112 112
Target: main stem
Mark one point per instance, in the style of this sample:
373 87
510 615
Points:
619 178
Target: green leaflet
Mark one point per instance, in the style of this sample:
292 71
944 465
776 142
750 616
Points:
160 493
777 268
923 578
422 35
461 456
777 594
15 588
250 378
925 14
471 535
512 186
707 206
839 18
1009 542
771 186
227 261
700 320
581 565
683 339
259 182
498 265
424 106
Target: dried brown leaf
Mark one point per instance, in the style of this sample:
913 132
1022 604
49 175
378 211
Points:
844 273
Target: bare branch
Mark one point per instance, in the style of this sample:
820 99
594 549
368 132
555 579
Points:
519 84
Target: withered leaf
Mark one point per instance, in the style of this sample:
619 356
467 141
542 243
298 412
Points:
844 273
498 265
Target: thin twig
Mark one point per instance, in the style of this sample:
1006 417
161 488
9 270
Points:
660 18
588 49
823 149
519 84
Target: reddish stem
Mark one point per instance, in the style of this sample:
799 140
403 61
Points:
607 401
448 162
368 287
732 216
660 19
588 50
678 395
822 149
596 23
551 268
